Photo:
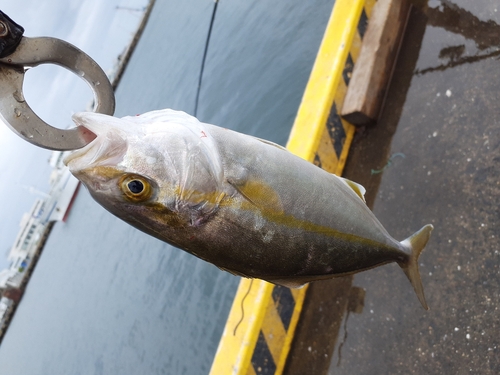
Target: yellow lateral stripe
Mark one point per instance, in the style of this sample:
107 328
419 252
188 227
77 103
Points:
261 337
327 71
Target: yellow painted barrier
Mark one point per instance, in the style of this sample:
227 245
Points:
263 317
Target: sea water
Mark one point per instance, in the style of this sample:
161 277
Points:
108 299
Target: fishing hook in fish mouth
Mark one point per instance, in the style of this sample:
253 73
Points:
17 55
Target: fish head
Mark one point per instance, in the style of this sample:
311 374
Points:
121 169
141 167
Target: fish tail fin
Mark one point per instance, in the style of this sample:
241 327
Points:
416 242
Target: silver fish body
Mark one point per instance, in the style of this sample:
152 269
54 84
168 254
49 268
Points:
244 204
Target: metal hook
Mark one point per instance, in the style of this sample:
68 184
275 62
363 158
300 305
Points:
29 53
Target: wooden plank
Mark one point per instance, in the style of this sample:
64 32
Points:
373 70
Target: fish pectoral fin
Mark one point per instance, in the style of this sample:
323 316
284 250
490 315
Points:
259 194
197 207
357 188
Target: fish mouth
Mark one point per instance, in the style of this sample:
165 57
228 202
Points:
81 120
92 121
72 161
106 129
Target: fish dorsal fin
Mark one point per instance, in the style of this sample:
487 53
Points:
259 194
357 188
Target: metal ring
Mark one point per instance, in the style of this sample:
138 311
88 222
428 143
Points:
16 112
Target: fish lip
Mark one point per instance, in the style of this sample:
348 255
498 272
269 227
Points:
81 119
108 131
77 154
89 120
77 118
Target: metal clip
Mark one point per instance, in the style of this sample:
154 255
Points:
17 55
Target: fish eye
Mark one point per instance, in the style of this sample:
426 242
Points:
136 188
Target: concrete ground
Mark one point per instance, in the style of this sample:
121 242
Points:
433 157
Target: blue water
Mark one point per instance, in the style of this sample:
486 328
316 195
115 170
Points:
108 299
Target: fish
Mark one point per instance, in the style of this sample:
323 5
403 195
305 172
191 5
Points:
244 204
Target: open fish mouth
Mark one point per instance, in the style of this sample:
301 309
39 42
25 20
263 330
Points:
107 130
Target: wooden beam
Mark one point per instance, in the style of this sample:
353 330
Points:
373 69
